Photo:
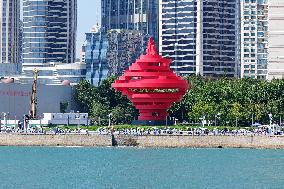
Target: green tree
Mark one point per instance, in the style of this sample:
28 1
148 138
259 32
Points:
203 109
242 99
84 95
118 115
64 107
235 113
99 113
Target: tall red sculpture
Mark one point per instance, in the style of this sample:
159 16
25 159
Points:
151 85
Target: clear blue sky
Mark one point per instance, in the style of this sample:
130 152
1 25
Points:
89 12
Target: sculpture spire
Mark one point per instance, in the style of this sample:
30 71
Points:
151 48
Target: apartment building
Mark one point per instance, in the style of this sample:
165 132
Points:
254 38
276 39
202 37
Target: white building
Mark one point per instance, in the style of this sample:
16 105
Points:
66 119
55 74
276 39
254 38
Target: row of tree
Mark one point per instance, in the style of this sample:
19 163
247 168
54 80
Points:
102 101
225 101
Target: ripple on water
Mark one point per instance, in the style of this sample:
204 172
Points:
77 167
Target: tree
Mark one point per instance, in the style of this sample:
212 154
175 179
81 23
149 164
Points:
63 107
102 100
235 112
203 109
99 113
84 95
118 115
242 99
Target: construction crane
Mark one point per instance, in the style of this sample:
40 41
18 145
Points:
33 102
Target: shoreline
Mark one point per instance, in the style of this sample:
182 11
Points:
145 141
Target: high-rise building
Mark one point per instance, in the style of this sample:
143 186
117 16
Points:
139 15
110 53
95 56
82 54
9 31
276 39
49 32
254 38
201 36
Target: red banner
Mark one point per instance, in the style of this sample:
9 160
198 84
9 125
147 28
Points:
15 93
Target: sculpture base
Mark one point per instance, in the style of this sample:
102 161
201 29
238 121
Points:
152 123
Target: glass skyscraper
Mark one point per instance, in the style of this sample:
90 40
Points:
10 31
49 32
139 15
95 49
110 53
202 37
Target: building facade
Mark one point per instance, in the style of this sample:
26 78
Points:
95 47
54 74
110 53
49 32
9 31
83 54
8 70
15 99
202 37
139 15
276 39
124 47
254 38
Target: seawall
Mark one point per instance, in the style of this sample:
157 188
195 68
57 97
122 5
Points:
203 141
272 142
54 140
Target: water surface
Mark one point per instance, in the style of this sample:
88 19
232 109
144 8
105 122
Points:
38 167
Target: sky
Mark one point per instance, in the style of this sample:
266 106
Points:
89 12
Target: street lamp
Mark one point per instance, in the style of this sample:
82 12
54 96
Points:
217 116
68 120
5 119
202 120
40 117
176 121
109 119
166 121
15 122
270 120
227 123
78 117
0 122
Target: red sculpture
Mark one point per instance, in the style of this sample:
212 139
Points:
151 85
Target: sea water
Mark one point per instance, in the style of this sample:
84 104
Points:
161 168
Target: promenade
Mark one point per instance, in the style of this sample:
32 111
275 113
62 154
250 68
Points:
153 141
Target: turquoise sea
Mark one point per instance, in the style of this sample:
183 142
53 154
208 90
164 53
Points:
41 167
